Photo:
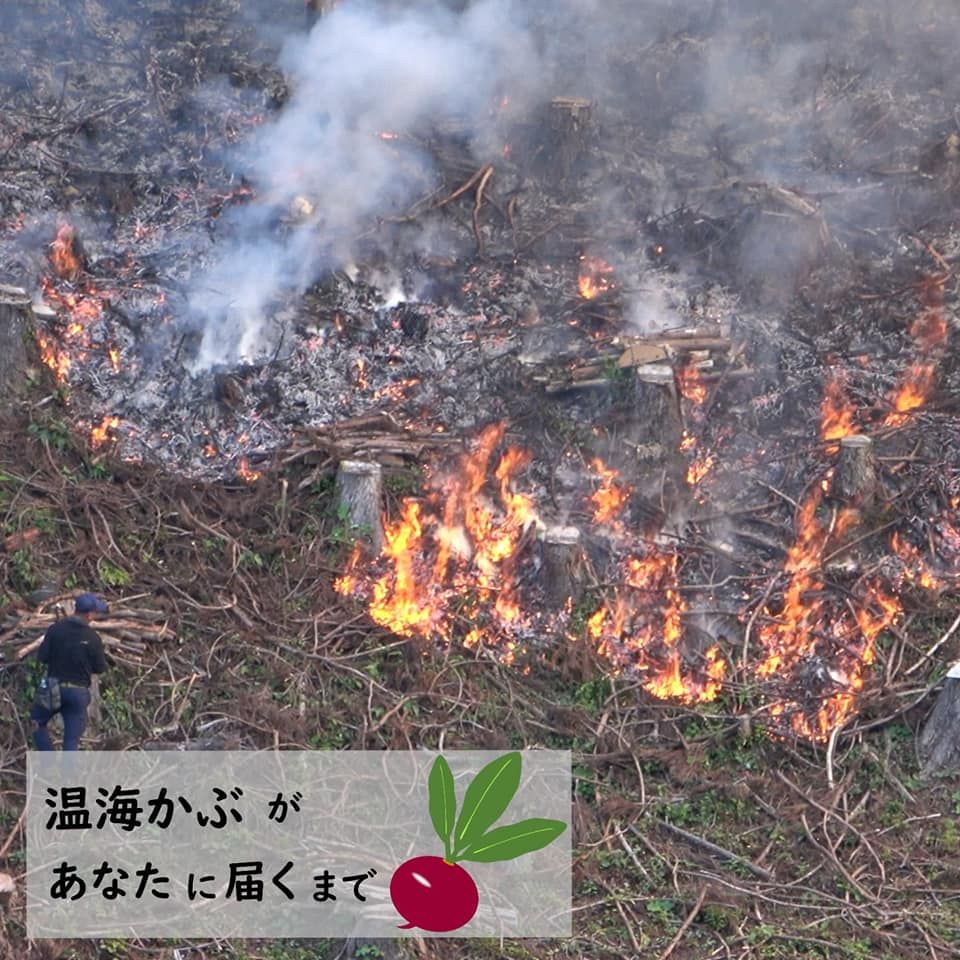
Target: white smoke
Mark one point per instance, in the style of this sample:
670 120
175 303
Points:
740 70
364 70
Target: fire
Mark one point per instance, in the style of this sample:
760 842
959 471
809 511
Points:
930 332
642 627
245 473
808 634
397 391
700 468
836 411
362 373
691 385
83 305
64 257
100 434
347 583
389 135
594 277
452 557
944 543
55 358
610 497
688 442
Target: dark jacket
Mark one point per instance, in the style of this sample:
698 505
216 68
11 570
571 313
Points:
72 651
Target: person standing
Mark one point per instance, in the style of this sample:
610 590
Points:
73 652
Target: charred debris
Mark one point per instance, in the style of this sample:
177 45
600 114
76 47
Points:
673 328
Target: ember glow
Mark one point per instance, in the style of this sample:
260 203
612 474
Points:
642 626
595 277
915 569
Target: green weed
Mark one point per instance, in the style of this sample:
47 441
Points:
111 575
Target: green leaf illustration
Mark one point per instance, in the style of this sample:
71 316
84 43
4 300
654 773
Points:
488 795
443 802
514 840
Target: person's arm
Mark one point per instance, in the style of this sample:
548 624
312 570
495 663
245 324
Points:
43 651
95 653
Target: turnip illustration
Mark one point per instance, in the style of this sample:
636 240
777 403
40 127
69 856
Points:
435 893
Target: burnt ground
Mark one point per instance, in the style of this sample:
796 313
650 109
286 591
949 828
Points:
794 190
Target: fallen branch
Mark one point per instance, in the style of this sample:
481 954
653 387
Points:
125 632
685 926
721 852
478 202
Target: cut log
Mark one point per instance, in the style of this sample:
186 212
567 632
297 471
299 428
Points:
359 499
856 472
16 340
562 565
570 134
939 745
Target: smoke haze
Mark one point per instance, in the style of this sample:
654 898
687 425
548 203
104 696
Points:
370 67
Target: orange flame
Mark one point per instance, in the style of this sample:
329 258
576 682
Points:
453 557
594 277
930 332
55 358
100 434
692 386
700 468
808 630
245 473
611 497
63 254
915 568
636 631
836 411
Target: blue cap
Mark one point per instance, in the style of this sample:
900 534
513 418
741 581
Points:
90 603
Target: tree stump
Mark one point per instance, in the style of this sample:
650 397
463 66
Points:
16 337
315 9
7 888
939 745
856 471
656 426
562 559
570 135
359 498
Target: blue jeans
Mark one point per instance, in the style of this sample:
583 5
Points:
73 708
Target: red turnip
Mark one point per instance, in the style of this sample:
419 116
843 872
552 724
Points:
432 894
